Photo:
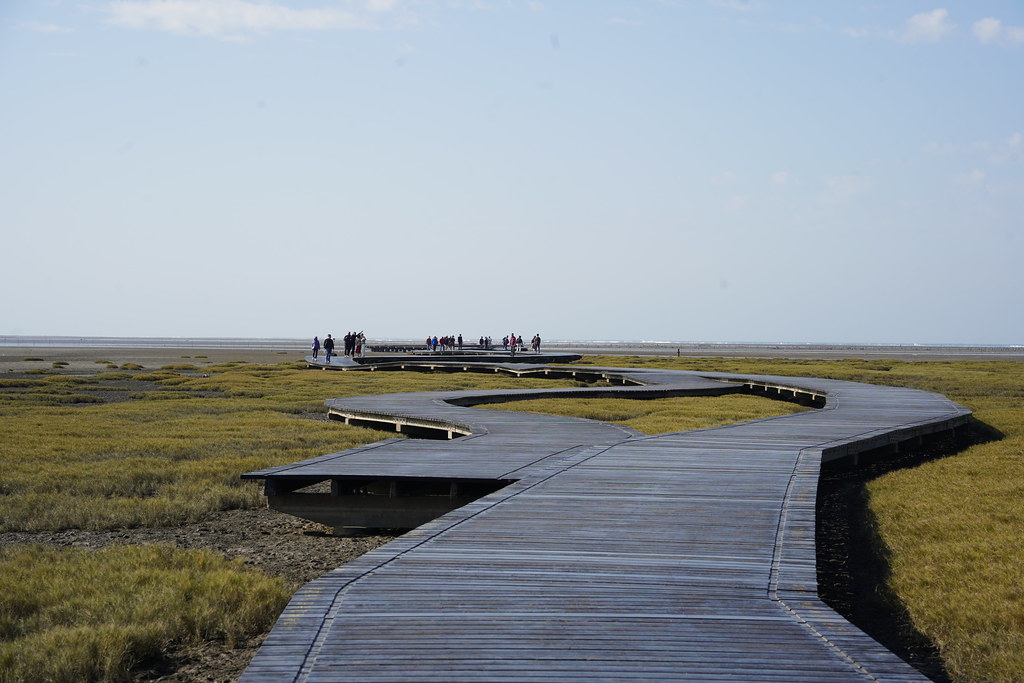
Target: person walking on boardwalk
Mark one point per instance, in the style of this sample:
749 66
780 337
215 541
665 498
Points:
360 344
328 347
316 347
512 344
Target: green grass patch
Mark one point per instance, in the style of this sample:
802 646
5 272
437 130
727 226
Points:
173 454
80 615
658 416
70 615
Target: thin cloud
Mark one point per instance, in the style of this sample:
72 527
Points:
863 31
974 179
232 18
927 27
738 5
1009 151
992 31
843 189
620 21
39 27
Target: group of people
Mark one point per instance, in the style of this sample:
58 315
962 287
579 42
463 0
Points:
513 343
510 343
446 343
355 345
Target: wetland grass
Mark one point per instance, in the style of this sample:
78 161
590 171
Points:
111 451
949 529
73 460
658 416
80 615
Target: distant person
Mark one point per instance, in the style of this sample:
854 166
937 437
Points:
328 347
361 344
459 341
510 342
428 343
316 347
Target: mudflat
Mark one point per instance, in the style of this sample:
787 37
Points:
90 360
86 360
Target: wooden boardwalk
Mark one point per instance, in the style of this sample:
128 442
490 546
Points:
606 554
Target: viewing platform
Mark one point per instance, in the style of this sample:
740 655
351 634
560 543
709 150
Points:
451 357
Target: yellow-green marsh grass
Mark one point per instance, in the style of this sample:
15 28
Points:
78 615
149 462
658 416
951 527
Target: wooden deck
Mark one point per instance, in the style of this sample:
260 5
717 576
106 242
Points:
602 554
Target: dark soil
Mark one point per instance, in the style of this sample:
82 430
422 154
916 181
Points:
277 544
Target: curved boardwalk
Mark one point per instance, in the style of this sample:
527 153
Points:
610 555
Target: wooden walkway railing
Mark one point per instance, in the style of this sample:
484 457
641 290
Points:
600 554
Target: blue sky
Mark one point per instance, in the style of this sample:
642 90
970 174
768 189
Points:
696 170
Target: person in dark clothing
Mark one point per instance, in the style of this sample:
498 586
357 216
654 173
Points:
316 347
329 347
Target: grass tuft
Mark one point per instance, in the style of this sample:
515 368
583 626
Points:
72 614
658 416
